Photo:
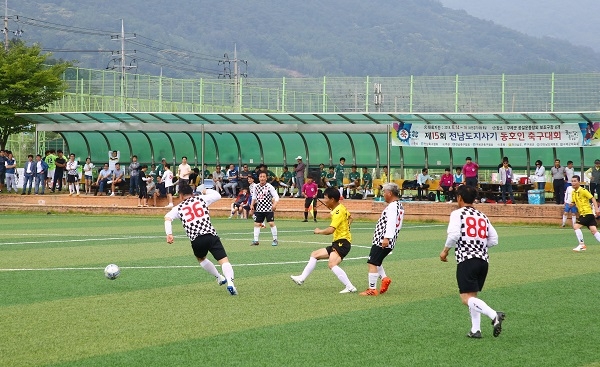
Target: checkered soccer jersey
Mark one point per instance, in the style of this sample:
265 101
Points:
389 224
263 197
471 233
194 214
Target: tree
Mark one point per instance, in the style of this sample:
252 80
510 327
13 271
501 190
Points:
27 84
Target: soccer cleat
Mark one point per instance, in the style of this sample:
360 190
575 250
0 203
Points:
274 243
474 335
563 225
112 194
369 292
221 280
296 279
254 243
306 220
497 322
170 205
580 248
231 289
385 283
348 290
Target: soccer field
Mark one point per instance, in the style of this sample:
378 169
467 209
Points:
58 309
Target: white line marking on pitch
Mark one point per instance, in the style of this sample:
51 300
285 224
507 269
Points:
177 266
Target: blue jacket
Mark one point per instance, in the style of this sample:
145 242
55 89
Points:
44 167
33 167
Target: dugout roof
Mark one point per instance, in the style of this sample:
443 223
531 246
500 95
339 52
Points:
277 138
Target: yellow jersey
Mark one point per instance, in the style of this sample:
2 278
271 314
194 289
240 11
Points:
339 221
581 197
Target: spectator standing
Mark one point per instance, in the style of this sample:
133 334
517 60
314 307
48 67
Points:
201 233
569 172
230 187
167 179
540 175
134 173
340 246
422 183
470 171
339 176
59 171
118 177
88 174
558 181
243 177
72 175
593 174
113 159
11 166
470 233
143 189
2 168
183 172
323 175
384 239
28 174
104 176
506 176
41 174
309 192
300 172
264 203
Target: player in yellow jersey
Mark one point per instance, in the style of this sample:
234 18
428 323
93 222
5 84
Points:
587 213
340 247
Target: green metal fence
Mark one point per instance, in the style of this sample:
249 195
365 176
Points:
106 90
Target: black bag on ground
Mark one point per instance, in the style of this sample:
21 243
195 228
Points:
431 196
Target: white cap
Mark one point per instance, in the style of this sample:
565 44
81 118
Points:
299 157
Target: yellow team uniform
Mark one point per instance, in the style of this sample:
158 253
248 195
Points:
581 197
339 221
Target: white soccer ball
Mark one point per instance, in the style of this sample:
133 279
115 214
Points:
112 271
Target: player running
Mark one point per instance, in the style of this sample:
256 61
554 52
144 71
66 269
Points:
587 213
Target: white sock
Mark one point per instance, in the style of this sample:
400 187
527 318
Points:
274 232
77 188
564 219
312 262
341 274
373 280
479 306
210 267
341 191
573 219
579 235
475 320
597 236
381 271
256 233
71 189
228 272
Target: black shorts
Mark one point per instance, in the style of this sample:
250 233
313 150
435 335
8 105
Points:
260 217
341 246
587 220
72 178
170 190
309 201
208 243
143 192
471 274
377 255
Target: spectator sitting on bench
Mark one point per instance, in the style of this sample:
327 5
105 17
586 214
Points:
104 176
422 184
117 178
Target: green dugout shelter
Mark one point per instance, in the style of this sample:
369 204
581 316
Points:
278 138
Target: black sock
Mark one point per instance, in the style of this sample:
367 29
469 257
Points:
305 215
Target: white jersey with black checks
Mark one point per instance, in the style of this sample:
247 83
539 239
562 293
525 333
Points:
389 224
471 233
194 214
263 197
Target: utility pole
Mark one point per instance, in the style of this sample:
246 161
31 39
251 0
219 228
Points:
5 30
122 67
236 75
